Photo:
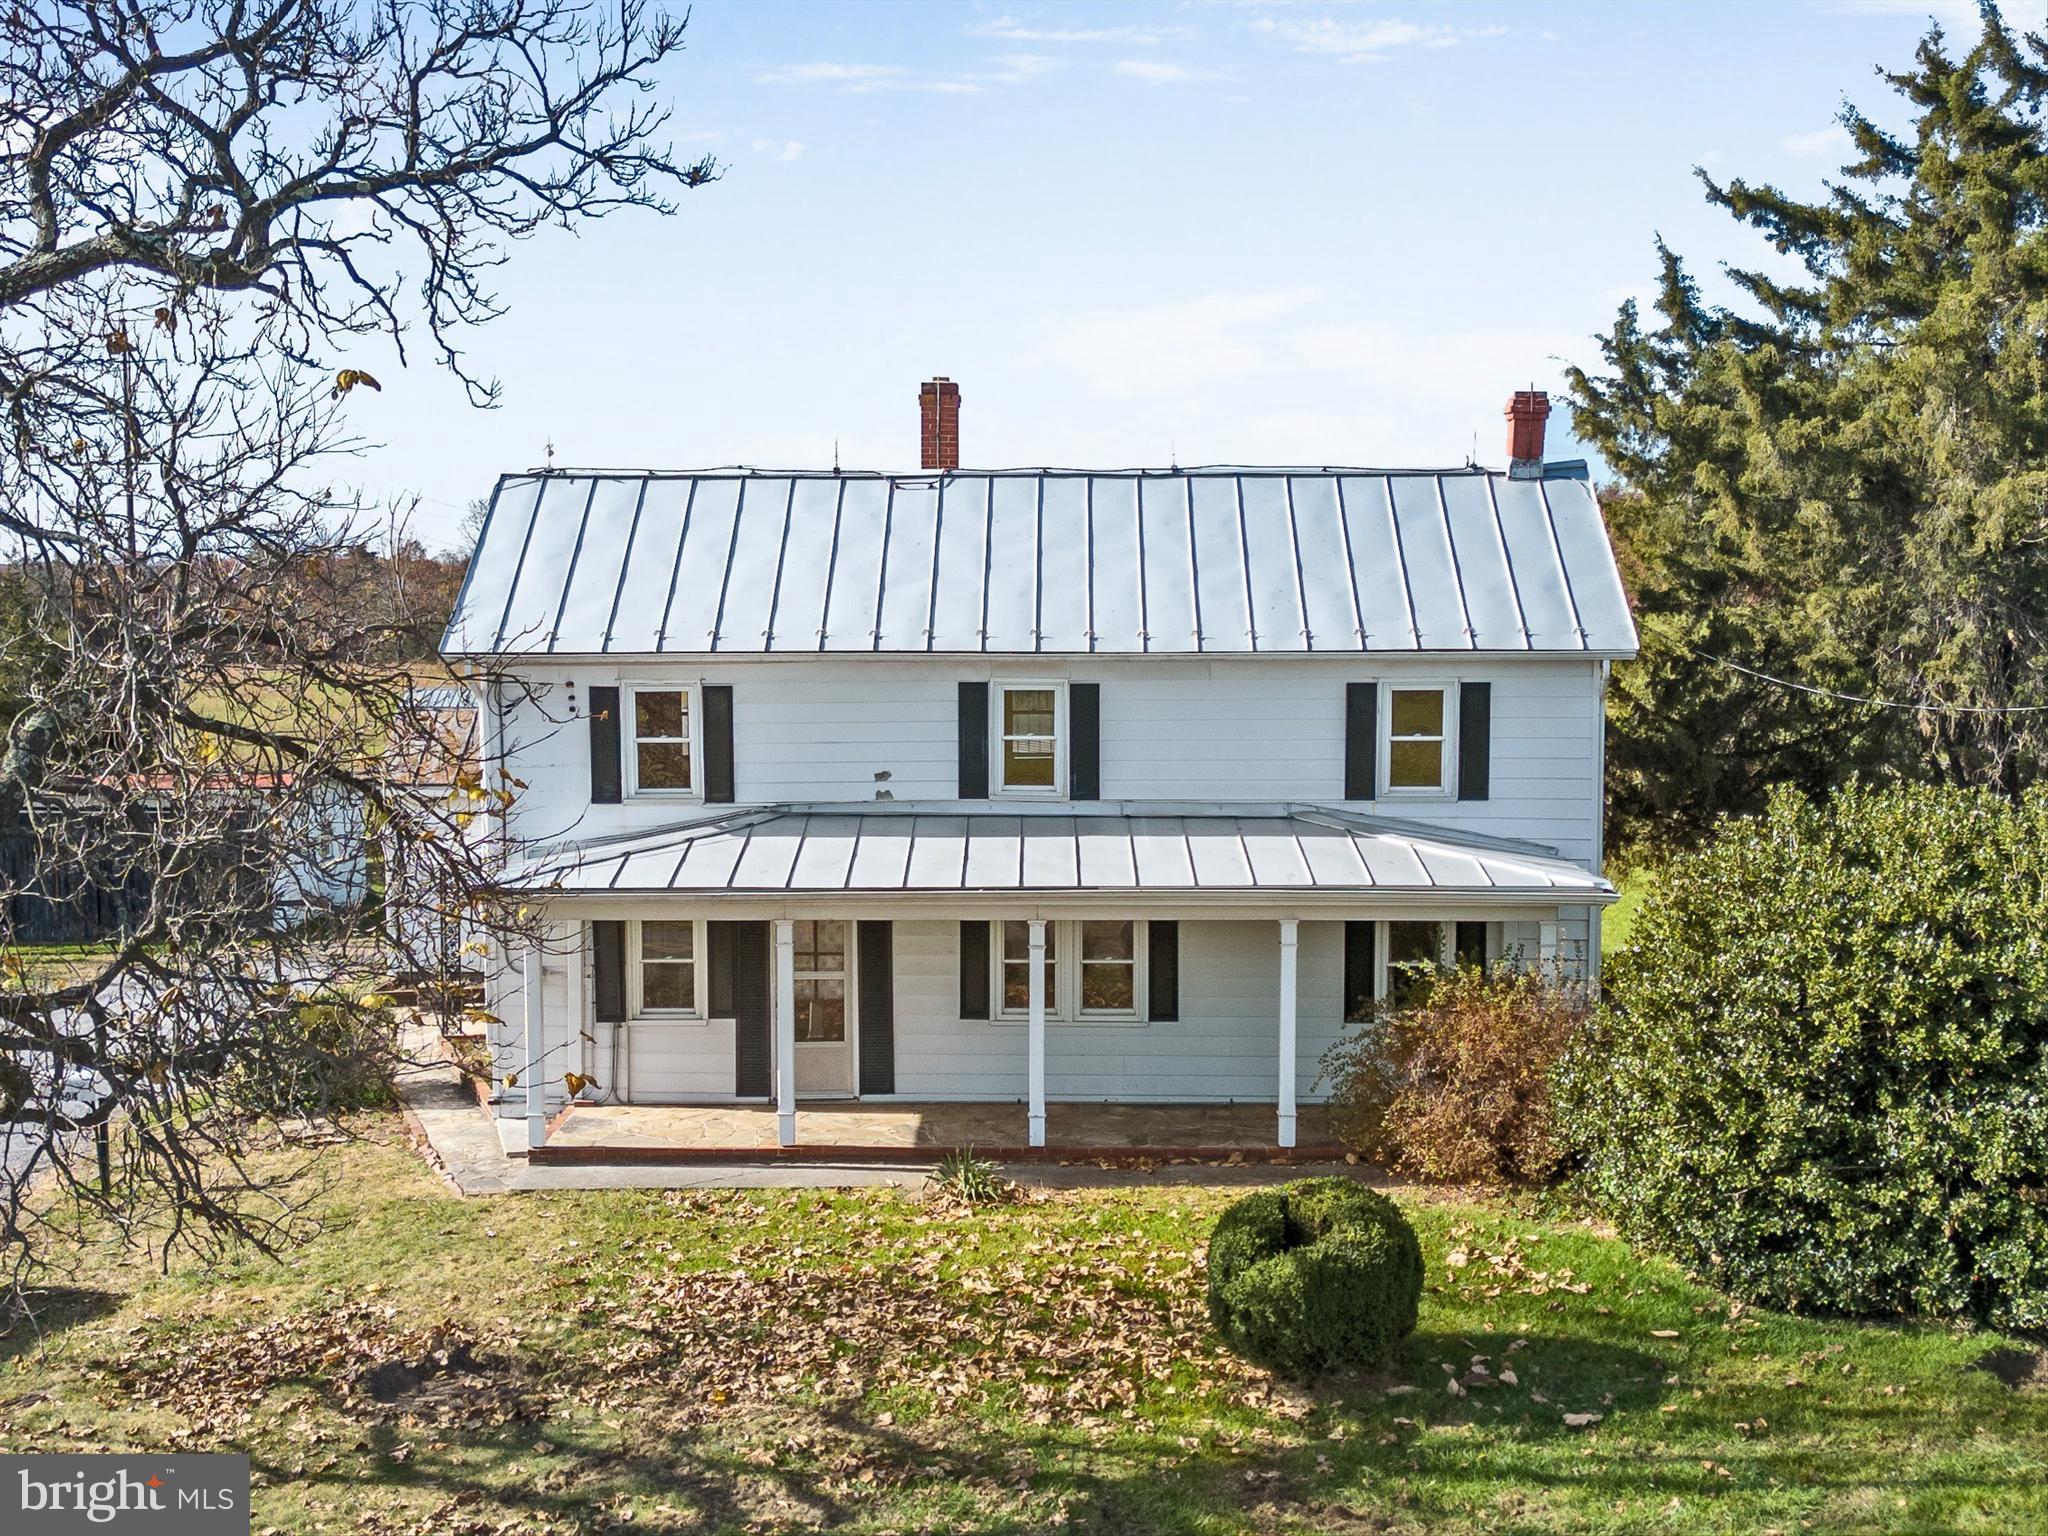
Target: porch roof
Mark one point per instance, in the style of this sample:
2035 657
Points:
913 850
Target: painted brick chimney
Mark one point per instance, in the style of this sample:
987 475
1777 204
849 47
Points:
1527 410
938 409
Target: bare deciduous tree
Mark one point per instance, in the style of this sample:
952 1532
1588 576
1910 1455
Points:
217 743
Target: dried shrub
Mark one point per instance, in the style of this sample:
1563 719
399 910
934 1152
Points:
1457 1087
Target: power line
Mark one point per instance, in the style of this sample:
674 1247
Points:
1858 698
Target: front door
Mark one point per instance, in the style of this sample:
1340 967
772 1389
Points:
824 1008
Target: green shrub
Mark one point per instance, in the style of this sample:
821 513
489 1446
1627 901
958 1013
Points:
1819 1073
319 1058
1457 1086
971 1180
1322 1275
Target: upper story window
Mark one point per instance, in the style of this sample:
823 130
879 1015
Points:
664 750
1418 742
1030 731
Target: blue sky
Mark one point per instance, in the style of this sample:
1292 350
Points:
1214 232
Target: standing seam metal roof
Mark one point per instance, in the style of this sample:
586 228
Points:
1246 850
1230 560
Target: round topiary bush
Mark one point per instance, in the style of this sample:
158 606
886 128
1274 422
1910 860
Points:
1820 1074
1322 1275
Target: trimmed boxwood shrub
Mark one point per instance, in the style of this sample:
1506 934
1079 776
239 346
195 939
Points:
1819 1073
1322 1275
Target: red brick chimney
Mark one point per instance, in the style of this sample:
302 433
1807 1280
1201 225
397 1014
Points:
938 409
1527 410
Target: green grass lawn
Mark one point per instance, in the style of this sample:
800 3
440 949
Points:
36 966
712 1362
1619 920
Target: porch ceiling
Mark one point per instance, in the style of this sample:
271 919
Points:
1234 852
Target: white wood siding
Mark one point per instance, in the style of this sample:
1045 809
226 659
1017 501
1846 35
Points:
1258 729
1223 1048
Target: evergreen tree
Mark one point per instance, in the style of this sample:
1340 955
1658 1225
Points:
1842 481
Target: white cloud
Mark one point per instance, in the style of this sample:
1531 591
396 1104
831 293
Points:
1832 141
1280 376
784 150
830 74
1366 42
1168 348
860 79
1022 68
1011 29
1157 72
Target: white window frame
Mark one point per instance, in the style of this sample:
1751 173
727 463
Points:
998 790
1447 787
845 975
636 989
1063 1003
629 740
1447 946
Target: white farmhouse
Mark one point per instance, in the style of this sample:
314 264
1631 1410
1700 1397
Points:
1030 786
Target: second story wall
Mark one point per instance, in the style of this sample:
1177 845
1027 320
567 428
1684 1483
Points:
1170 728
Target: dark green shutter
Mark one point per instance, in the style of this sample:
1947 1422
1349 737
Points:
1162 963
1475 739
1471 944
1084 750
608 966
605 786
974 741
974 970
746 984
1361 740
718 991
875 944
717 744
1361 944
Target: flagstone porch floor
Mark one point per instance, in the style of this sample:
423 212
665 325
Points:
924 1132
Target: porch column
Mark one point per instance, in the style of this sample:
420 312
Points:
1547 944
1289 953
1036 1033
785 1031
530 1072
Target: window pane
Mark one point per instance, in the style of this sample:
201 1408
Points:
1109 941
668 941
820 946
660 714
1415 765
1414 956
1109 988
1418 712
1407 942
821 1010
1028 764
664 765
668 984
1027 712
1017 987
1017 941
